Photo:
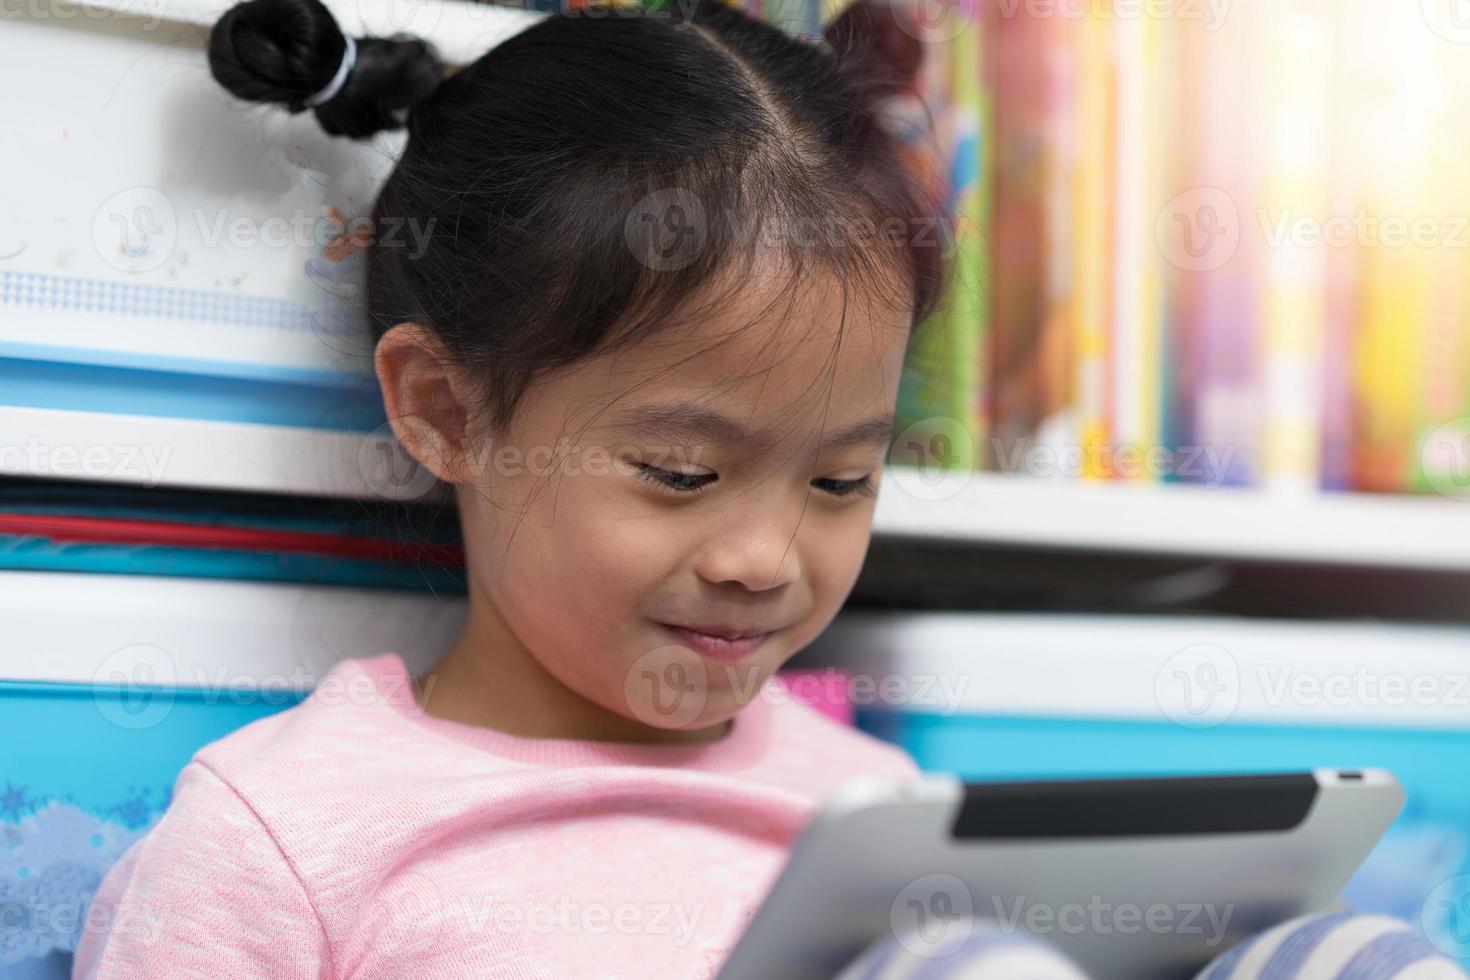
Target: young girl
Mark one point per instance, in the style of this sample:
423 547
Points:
653 339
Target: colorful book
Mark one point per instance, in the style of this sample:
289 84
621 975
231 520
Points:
1296 117
1091 311
1174 234
940 400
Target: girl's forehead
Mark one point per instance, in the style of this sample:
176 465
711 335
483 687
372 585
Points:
772 351
766 377
765 382
769 330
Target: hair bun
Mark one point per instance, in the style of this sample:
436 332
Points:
285 51
878 44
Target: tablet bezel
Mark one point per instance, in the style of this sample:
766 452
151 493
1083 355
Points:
1308 830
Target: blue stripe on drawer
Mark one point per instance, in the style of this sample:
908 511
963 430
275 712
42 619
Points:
135 360
310 399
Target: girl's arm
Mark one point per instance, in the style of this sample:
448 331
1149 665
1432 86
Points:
206 893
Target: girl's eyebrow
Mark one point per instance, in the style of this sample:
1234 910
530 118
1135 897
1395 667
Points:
692 422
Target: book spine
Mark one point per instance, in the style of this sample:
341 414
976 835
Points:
1092 316
1057 345
1019 148
1343 300
1395 128
1135 283
941 396
1227 316
1440 454
1296 197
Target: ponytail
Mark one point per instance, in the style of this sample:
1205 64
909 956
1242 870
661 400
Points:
293 53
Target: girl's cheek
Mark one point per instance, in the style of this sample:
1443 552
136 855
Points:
628 554
832 562
600 528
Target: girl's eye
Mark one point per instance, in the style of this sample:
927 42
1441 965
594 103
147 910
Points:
845 488
689 483
680 482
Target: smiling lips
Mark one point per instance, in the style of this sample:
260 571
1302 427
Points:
723 647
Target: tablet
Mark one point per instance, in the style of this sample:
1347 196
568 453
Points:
1133 879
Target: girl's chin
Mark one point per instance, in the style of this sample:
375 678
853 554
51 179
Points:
694 699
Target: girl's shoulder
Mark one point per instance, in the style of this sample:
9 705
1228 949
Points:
352 721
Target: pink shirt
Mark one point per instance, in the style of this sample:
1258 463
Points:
355 836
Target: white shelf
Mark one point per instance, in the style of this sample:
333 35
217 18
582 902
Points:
80 628
1195 671
158 451
1173 519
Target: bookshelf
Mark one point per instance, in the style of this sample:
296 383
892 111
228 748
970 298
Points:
981 511
1400 531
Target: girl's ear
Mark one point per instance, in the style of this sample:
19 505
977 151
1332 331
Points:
428 399
877 42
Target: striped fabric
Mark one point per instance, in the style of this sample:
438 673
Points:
1330 946
1336 946
968 950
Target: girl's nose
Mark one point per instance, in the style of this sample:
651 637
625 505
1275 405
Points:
756 549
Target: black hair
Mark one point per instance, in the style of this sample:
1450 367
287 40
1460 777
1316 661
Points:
585 179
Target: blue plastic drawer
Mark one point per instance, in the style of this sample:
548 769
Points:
86 770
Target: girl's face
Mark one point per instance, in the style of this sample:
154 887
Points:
684 484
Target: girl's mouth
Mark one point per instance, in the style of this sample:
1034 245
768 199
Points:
717 648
